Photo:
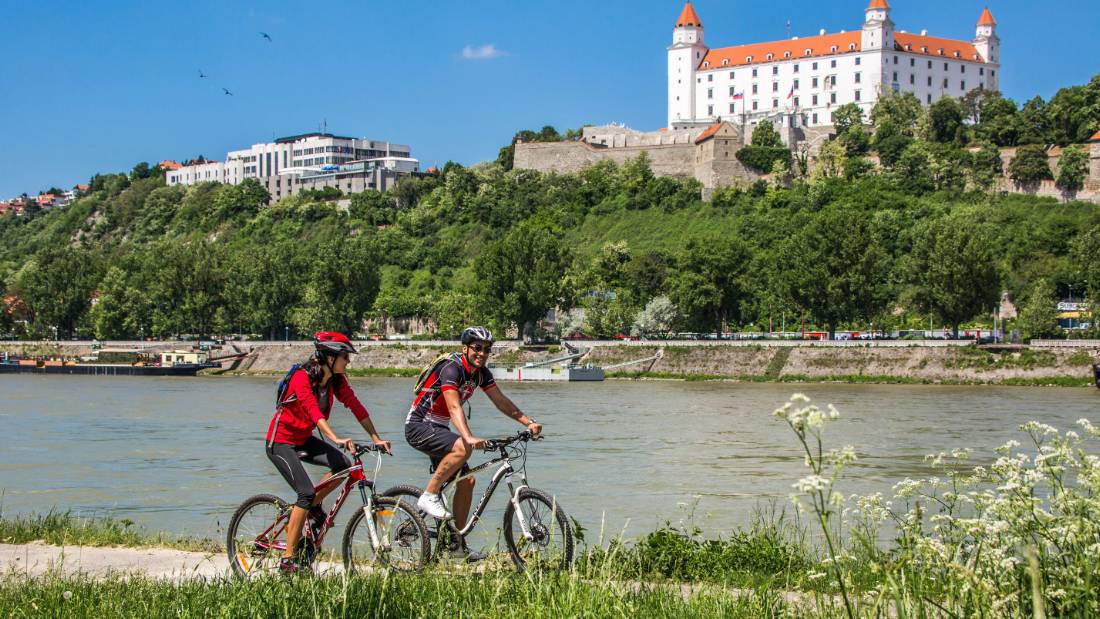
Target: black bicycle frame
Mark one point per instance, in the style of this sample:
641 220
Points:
504 472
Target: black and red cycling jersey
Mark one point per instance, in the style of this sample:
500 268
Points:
451 375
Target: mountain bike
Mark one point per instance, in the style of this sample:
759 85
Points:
536 529
386 532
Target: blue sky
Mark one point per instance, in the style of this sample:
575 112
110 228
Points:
91 87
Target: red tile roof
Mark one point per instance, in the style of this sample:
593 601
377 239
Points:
168 164
987 18
1095 137
688 17
931 46
879 4
82 187
739 55
708 133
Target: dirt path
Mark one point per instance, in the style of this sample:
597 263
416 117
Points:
36 559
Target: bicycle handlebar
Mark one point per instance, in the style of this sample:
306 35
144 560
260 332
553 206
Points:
363 449
498 443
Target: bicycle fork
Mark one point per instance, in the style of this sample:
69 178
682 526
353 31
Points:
514 498
368 512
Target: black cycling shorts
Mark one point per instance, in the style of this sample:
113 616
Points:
288 459
433 439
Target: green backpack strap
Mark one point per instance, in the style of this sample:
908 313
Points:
433 367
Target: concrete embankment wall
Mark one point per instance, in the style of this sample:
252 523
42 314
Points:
887 363
1057 362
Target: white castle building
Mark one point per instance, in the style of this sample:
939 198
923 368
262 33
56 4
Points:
307 161
801 81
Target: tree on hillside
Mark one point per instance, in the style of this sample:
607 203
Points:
1085 253
520 276
985 166
943 121
243 199
1034 128
57 285
657 318
900 110
709 284
340 287
1039 314
836 268
846 117
890 142
1030 165
953 270
765 135
1073 169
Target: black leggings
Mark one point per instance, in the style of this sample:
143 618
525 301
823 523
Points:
288 459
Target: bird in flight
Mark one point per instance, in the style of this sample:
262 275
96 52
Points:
201 74
266 36
226 91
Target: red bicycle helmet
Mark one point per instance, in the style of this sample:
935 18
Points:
332 343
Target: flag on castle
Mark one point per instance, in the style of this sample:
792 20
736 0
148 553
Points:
738 95
790 94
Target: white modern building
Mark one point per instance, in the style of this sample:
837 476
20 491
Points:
308 161
801 80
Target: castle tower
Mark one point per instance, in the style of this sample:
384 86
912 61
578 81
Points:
684 55
878 28
986 41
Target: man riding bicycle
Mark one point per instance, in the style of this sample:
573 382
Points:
437 404
306 405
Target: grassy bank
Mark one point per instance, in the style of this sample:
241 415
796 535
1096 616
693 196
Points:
68 529
551 597
1052 381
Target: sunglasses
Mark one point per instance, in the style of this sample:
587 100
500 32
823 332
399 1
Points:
481 348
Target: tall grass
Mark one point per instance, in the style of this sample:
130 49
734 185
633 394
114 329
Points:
552 597
68 529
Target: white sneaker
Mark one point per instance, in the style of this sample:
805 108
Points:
432 505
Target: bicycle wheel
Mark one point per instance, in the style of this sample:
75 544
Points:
256 538
403 537
551 543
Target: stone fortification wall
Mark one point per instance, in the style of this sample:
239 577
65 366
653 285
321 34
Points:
569 157
618 136
1047 189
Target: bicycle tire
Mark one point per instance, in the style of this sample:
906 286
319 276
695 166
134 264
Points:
246 562
410 533
544 536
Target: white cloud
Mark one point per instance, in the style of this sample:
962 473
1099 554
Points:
482 52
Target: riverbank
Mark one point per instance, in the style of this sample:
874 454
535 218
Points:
897 363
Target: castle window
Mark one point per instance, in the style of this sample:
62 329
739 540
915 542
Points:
945 83
733 91
912 62
929 64
731 107
710 110
908 47
857 95
710 77
814 82
775 70
770 56
930 81
962 85
753 72
706 64
833 49
859 77
940 51
895 59
796 101
796 67
895 76
981 70
710 93
957 54
755 106
924 50
809 51
815 101
930 98
754 89
775 103
748 58
945 67
859 61
815 118
815 66
852 47
796 84
962 68
725 62
786 54
832 98
913 80
832 64
775 86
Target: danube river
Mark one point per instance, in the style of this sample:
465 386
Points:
178 454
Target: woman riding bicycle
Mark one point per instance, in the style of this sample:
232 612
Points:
306 405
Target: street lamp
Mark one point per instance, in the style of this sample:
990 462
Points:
286 333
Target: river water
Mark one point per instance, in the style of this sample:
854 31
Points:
178 454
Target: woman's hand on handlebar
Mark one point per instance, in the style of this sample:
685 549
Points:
346 443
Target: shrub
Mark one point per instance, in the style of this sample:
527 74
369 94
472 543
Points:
1030 165
762 158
